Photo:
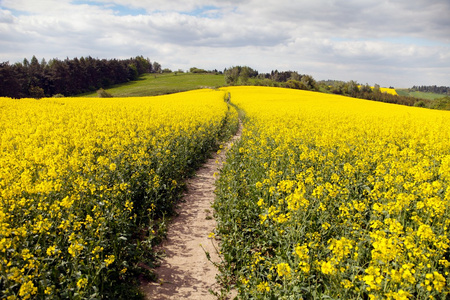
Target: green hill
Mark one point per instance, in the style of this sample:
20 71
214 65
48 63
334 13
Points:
419 95
160 84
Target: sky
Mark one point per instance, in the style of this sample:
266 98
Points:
397 43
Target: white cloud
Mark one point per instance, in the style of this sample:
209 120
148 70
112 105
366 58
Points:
390 42
6 16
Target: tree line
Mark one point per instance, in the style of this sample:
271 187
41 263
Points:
364 91
70 76
245 75
431 89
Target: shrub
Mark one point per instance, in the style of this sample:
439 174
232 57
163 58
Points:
420 103
103 93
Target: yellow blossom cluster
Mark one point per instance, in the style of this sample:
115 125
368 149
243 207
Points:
352 195
78 176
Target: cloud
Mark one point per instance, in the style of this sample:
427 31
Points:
6 17
326 38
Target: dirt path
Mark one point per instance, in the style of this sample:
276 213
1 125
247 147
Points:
185 272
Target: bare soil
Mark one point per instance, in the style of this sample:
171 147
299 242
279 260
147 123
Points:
185 271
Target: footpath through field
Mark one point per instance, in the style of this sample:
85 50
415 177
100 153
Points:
186 272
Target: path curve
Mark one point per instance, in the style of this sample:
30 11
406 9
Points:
185 272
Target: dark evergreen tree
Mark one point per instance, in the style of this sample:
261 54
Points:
68 77
9 81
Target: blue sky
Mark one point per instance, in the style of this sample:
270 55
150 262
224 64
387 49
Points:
119 9
397 43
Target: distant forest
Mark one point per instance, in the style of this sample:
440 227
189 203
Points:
431 89
70 76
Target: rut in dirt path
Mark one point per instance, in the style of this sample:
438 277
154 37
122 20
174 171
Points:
185 272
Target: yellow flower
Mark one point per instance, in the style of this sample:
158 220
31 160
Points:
75 249
439 281
425 232
346 283
109 260
304 266
27 290
89 220
244 280
51 250
263 286
260 202
341 248
96 251
302 252
82 282
66 202
326 225
284 270
129 205
327 267
399 295
408 273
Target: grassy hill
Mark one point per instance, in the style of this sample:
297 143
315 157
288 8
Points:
419 95
159 84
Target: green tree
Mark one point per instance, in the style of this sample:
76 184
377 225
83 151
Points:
376 88
197 70
133 73
231 75
156 67
9 82
295 76
36 92
352 88
293 84
308 83
244 74
365 88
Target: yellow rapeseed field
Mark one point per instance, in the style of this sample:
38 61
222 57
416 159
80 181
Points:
79 177
389 91
385 90
333 197
324 195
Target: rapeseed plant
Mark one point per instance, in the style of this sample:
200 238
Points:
83 181
341 198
